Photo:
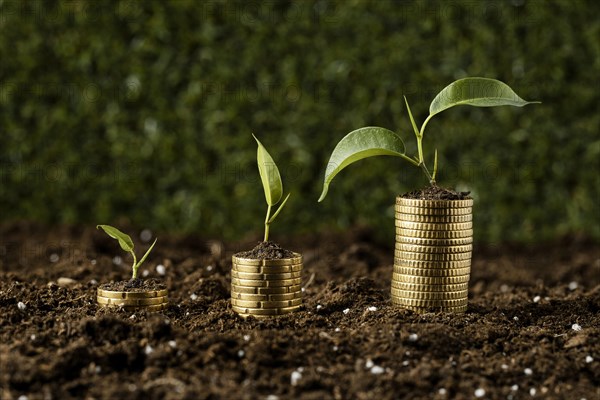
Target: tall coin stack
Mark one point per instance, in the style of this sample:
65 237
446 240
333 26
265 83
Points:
266 287
432 258
155 300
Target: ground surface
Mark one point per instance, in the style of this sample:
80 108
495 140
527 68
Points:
532 329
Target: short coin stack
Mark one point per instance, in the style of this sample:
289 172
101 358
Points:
265 288
155 300
432 258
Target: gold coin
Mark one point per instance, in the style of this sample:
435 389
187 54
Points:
430 303
248 275
157 307
434 234
423 310
425 226
415 248
409 294
264 283
251 262
266 304
431 280
434 203
433 242
431 264
430 271
429 288
266 297
434 219
265 311
132 302
282 269
433 211
408 255
265 290
132 295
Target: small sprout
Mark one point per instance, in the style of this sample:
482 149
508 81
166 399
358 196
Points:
271 181
126 244
374 141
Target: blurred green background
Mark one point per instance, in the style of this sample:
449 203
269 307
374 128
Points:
142 111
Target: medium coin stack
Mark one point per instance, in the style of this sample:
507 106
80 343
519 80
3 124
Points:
155 300
432 258
265 288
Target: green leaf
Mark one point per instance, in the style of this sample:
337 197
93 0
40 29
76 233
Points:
124 240
478 92
145 255
412 120
359 144
279 209
269 174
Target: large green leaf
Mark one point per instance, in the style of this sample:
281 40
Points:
359 144
124 240
478 92
269 174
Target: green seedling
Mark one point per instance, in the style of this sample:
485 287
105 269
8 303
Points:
375 141
126 244
271 181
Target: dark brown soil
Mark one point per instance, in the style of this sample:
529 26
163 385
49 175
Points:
532 329
436 193
135 285
266 251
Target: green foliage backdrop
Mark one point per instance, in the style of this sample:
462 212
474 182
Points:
144 110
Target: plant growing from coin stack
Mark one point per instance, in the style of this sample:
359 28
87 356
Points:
434 234
135 293
266 280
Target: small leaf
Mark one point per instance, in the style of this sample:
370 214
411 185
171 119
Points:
412 120
478 92
280 208
359 144
145 255
269 175
124 240
435 166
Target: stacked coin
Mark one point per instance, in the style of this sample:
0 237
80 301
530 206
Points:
266 287
155 300
432 258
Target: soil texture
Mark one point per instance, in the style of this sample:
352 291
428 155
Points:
435 192
266 251
532 329
135 285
